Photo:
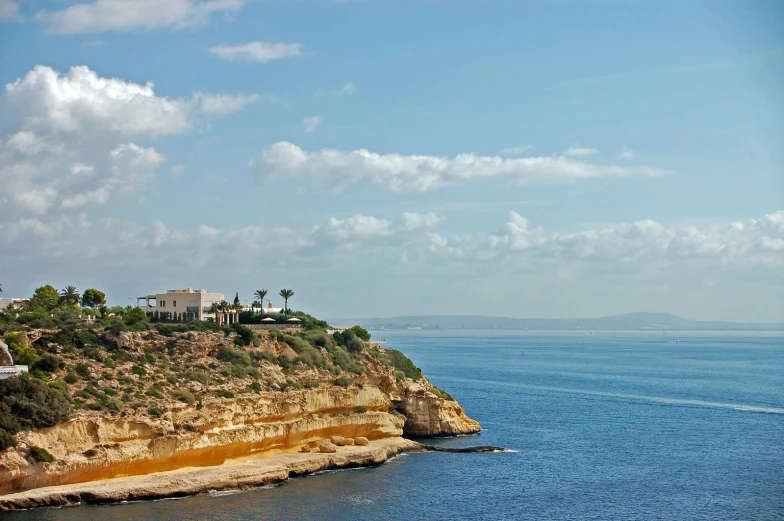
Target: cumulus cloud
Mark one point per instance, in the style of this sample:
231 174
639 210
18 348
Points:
751 242
82 102
346 90
312 123
8 9
224 104
420 173
69 140
627 153
516 151
580 152
259 52
134 15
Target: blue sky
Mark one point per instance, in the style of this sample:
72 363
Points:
528 158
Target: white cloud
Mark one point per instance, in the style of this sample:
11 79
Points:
224 104
260 52
70 140
82 102
8 9
752 242
580 152
627 153
132 15
176 170
516 151
419 173
312 123
416 221
346 90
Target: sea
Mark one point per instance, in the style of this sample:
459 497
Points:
597 426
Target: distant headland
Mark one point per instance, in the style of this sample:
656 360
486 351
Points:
625 322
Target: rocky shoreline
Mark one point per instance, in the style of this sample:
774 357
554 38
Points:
240 474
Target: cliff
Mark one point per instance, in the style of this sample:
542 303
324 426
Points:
278 404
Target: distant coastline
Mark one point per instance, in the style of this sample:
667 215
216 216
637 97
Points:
626 322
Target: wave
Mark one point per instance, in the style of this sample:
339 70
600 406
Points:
664 400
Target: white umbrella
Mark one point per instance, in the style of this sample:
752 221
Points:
268 319
293 320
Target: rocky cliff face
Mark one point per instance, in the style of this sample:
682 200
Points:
95 445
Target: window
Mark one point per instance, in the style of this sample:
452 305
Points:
174 303
163 303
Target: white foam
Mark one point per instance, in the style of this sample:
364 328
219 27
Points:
664 400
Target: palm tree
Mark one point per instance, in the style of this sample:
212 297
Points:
70 296
260 294
215 309
236 307
286 294
224 307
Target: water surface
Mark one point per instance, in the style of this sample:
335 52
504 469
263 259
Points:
638 426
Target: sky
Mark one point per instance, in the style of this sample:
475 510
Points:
524 158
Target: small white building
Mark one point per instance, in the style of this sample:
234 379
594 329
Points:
12 303
7 369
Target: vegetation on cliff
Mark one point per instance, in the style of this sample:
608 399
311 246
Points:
125 365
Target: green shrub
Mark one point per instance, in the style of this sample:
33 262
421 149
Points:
41 455
226 394
234 356
442 394
402 363
256 386
164 330
360 332
82 369
244 333
184 396
342 382
47 363
155 412
197 376
27 403
71 378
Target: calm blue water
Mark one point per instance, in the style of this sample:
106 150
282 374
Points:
605 426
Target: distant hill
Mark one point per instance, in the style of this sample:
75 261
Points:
628 321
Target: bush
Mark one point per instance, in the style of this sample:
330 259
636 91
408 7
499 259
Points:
134 316
82 369
360 332
47 363
184 396
27 403
442 394
244 334
402 363
164 330
41 455
226 394
342 382
155 412
71 378
234 356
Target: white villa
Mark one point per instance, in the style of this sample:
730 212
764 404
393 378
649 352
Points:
7 369
182 301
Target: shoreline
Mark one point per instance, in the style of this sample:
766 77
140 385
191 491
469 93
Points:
238 474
